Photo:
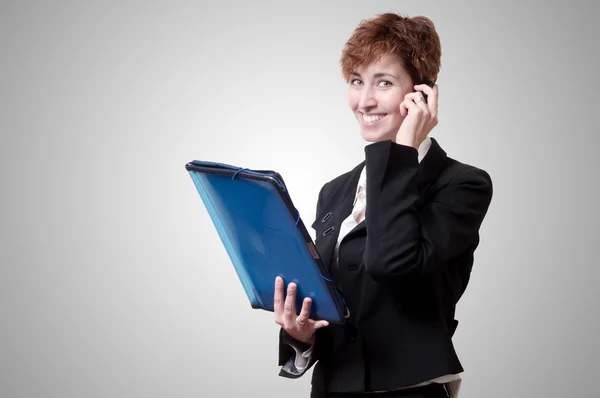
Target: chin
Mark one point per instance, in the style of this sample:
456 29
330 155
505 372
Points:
374 136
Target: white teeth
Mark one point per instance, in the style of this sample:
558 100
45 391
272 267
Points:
372 118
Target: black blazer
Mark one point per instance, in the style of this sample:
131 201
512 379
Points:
402 270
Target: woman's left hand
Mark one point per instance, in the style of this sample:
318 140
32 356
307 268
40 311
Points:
420 117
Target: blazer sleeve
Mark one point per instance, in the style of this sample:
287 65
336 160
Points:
292 353
404 241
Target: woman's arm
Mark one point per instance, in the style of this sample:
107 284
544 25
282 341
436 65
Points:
403 241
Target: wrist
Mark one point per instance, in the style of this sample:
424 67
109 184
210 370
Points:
310 341
406 140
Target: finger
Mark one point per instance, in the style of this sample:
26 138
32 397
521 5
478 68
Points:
289 307
420 101
411 106
424 88
413 96
416 97
434 102
320 324
304 312
278 298
403 109
432 96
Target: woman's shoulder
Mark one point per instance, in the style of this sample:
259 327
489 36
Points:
457 172
461 183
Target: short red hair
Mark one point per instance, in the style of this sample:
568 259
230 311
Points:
414 40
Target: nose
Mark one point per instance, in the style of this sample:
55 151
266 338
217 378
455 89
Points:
367 98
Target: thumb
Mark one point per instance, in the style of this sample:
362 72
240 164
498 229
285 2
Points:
321 324
403 109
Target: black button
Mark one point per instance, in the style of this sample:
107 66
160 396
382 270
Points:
353 339
328 231
326 217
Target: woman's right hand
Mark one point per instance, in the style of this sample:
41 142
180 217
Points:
298 327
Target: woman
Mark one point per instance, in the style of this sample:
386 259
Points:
398 232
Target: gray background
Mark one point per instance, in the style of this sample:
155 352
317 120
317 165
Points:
113 282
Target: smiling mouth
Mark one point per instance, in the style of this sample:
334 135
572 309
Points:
372 119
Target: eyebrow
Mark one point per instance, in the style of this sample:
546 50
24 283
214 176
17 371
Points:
380 74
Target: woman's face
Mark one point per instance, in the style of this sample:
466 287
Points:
375 93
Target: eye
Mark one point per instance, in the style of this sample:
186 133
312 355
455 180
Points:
355 82
384 83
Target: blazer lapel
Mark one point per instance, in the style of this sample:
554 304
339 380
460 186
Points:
335 210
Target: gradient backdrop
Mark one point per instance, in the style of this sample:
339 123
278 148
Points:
113 282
